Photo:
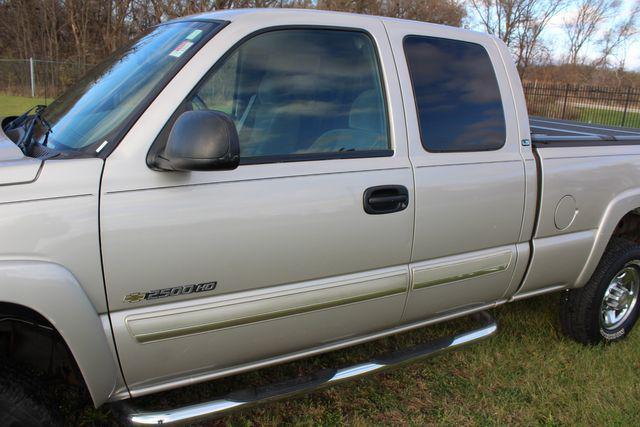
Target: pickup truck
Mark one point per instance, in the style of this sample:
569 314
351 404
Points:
240 189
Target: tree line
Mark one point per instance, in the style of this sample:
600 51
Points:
596 33
87 30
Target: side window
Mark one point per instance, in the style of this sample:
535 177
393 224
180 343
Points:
301 92
456 94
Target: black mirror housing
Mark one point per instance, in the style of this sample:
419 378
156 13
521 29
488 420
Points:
202 140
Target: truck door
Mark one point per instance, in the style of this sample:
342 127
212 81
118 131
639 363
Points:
465 149
305 244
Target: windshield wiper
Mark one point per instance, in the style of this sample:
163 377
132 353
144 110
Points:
29 123
19 121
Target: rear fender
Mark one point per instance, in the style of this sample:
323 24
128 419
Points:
621 205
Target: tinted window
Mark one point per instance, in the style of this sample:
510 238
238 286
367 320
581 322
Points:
456 93
300 92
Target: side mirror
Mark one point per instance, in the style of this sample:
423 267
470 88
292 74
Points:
203 140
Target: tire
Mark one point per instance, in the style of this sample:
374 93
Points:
581 315
21 399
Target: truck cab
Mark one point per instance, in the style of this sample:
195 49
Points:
327 228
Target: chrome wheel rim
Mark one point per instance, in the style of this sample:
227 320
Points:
621 296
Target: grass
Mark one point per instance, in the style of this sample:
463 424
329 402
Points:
528 374
608 117
13 105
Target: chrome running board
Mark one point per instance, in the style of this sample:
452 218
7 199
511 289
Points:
328 377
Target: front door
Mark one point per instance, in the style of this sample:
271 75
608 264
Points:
209 271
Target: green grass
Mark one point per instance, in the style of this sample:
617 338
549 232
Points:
13 105
528 374
608 117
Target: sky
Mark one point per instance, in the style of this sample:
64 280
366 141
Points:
556 38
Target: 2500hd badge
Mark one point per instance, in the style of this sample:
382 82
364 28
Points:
170 292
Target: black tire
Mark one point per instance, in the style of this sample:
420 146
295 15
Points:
22 402
580 308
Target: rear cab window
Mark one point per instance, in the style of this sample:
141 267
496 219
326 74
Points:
456 95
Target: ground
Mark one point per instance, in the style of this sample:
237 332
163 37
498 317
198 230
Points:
529 373
609 117
11 105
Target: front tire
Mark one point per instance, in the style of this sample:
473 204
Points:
607 307
21 399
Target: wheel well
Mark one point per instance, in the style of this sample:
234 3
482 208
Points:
629 226
28 339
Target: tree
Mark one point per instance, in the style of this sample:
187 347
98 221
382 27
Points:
584 25
500 17
615 38
518 23
448 12
529 46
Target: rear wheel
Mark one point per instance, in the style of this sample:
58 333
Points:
606 308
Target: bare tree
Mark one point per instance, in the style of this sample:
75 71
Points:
622 30
78 14
583 27
500 17
449 12
86 31
518 23
528 35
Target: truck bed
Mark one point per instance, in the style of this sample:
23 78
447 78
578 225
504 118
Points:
555 132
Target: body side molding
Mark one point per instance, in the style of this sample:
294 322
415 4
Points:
438 274
227 311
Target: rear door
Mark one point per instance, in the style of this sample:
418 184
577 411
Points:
212 271
465 150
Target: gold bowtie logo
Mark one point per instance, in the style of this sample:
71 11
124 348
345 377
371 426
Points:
134 297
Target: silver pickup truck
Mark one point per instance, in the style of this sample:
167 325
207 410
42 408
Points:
240 189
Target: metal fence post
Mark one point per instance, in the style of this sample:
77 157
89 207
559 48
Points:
566 95
626 105
33 78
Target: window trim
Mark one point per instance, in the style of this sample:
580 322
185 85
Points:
415 98
305 157
160 141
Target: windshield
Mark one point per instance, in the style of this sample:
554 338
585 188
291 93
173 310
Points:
94 109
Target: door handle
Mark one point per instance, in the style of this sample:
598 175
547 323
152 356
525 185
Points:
384 199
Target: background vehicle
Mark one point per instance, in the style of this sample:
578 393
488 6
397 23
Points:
245 188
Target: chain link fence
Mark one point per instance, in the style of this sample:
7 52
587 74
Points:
38 78
592 104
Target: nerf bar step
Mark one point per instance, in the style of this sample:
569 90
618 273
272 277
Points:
243 399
